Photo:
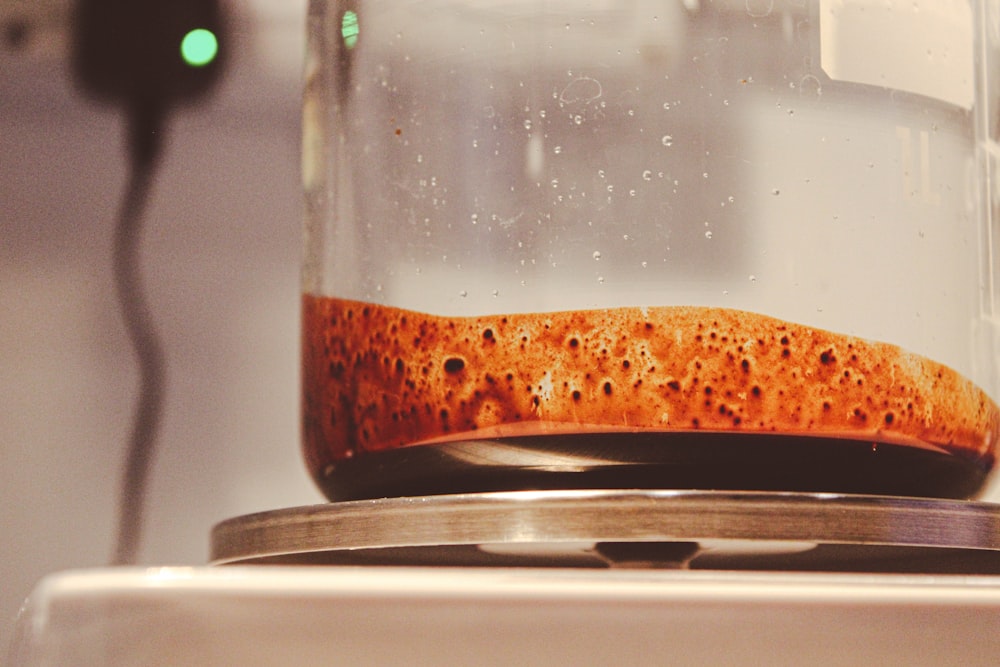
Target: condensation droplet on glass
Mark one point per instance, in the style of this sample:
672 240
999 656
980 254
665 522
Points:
378 288
420 157
578 119
666 106
753 278
775 192
495 292
541 113
555 182
527 123
600 173
557 150
600 279
626 237
644 264
708 234
597 254
704 174
647 175
631 193
667 140
463 293
475 218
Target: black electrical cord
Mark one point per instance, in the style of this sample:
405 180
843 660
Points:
130 53
145 126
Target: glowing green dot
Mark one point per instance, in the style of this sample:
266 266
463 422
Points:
199 47
349 28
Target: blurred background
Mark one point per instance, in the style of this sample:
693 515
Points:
220 256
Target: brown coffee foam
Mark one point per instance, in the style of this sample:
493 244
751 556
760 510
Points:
378 378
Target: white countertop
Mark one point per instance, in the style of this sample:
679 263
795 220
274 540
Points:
278 615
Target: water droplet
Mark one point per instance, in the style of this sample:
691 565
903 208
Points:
667 140
420 158
631 193
626 237
644 264
475 218
495 292
555 182
753 278
775 192
708 234
600 173
463 293
578 119
647 175
557 150
597 254
666 106
600 279
527 123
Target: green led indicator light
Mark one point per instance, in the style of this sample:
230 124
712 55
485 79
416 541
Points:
199 47
349 28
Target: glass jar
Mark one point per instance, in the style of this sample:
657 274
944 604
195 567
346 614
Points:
730 244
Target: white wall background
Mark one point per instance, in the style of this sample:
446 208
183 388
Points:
221 257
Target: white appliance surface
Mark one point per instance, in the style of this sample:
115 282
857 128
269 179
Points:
283 615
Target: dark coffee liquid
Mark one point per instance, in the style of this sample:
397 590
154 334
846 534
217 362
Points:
721 461
397 402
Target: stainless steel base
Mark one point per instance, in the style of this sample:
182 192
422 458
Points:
628 528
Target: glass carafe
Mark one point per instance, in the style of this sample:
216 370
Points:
736 244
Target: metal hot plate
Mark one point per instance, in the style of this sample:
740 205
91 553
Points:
627 528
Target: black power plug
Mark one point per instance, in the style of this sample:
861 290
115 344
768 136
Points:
129 53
